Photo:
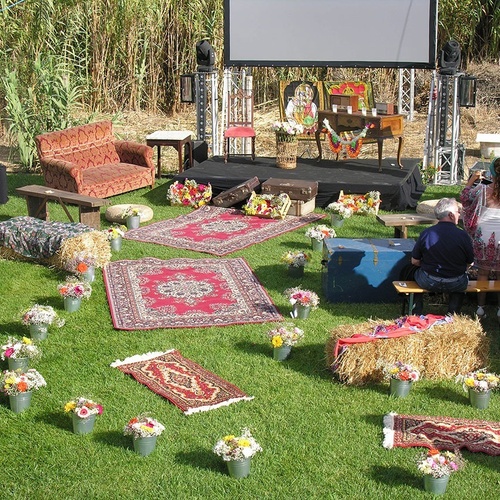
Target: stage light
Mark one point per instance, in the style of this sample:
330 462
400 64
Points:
205 56
187 88
449 62
467 91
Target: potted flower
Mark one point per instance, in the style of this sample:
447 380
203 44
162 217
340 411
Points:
363 204
73 291
296 261
38 318
338 212
283 338
18 385
19 352
286 143
479 385
318 234
115 236
303 301
436 466
144 431
237 451
82 264
401 376
84 413
132 216
189 193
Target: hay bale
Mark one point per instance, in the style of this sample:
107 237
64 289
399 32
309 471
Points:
442 352
94 243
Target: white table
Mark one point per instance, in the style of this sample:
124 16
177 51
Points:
175 138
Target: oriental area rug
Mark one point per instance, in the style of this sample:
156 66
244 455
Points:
184 383
442 433
184 293
217 230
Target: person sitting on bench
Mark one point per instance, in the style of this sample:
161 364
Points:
442 254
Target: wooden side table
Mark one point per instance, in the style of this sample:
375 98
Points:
175 138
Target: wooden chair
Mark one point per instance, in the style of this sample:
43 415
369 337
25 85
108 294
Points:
239 120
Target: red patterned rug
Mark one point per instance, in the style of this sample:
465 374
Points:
442 433
183 293
217 230
183 382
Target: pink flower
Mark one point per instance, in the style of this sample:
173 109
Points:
83 412
9 352
99 409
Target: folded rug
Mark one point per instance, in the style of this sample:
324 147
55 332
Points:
217 230
442 433
183 382
183 293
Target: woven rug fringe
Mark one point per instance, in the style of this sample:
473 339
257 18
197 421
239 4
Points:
138 357
389 430
190 411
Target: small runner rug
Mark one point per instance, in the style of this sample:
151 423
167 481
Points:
183 293
217 230
442 433
183 382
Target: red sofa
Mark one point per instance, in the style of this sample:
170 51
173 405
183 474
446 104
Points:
88 160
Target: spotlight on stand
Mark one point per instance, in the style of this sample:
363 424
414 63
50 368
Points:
188 88
449 62
467 91
205 56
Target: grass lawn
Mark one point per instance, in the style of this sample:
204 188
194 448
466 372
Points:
320 439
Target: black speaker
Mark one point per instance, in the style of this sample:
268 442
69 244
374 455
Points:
205 56
449 62
3 185
200 153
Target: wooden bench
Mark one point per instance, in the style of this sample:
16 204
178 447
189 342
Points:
400 222
409 288
37 197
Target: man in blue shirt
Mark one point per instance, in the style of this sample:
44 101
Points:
443 253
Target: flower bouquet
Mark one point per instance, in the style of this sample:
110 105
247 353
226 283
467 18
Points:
130 211
82 264
319 233
18 352
436 466
367 204
190 194
339 209
479 385
296 258
41 315
237 452
401 375
84 412
38 318
283 338
144 431
73 291
116 231
74 288
287 131
18 385
303 301
269 206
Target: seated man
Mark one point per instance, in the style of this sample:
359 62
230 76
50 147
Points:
443 253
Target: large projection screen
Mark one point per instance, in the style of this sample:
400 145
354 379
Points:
335 33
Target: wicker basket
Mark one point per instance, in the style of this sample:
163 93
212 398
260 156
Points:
286 151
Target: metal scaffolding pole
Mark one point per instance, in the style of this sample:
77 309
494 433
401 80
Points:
406 95
207 112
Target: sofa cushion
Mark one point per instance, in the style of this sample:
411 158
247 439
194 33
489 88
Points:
114 178
114 213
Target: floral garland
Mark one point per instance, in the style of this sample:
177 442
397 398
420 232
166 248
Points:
352 144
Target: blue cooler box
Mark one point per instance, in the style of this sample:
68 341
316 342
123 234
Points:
362 270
